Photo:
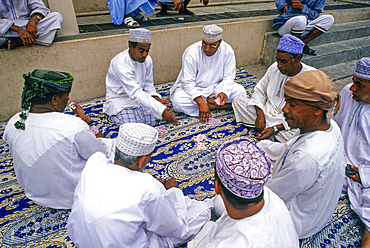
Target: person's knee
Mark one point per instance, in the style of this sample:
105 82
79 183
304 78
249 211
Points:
329 19
56 16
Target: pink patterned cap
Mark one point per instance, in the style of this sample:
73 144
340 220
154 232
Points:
243 167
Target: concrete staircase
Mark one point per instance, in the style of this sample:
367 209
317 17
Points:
337 51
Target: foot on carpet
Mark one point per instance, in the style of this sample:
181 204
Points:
162 13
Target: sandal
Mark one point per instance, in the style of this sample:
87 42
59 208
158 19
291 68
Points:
140 17
205 2
162 13
130 22
309 51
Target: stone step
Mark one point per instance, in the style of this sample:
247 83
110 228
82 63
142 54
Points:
338 52
340 71
338 33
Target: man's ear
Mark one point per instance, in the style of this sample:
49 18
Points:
141 162
218 188
54 100
319 111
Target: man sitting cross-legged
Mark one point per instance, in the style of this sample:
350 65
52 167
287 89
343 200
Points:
131 95
207 74
263 110
354 121
309 169
50 148
116 205
255 216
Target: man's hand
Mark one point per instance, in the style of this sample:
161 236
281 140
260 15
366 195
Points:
99 135
171 183
266 133
31 27
222 98
204 111
26 38
179 5
162 101
260 120
169 117
297 4
80 113
355 177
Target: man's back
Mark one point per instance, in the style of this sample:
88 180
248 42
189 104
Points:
270 227
118 207
309 178
49 155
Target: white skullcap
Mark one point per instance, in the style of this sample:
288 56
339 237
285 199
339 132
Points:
212 33
140 35
136 139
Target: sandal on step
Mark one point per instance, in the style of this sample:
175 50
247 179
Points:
309 51
130 22
140 17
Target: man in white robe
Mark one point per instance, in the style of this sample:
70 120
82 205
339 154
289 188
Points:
207 74
255 216
309 169
131 96
50 148
27 22
116 205
354 122
263 110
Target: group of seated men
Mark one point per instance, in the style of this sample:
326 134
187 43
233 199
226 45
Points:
60 164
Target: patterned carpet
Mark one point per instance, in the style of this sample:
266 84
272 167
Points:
24 224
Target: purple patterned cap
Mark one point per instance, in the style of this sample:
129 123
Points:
243 167
290 44
363 69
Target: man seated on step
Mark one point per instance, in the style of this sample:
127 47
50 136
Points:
354 122
263 110
302 19
309 169
27 22
50 148
255 216
117 205
131 95
206 80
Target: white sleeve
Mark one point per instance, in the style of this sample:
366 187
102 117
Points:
87 144
227 84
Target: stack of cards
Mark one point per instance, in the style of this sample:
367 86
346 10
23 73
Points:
213 121
161 129
200 137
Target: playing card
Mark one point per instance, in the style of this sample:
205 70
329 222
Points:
161 129
167 105
94 129
72 105
200 137
201 146
218 101
213 121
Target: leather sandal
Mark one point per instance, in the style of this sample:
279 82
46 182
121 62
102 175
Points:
140 17
309 51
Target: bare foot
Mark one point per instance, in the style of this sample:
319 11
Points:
14 42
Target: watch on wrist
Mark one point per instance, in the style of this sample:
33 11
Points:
38 17
276 129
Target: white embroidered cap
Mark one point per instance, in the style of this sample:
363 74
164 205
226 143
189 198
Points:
212 33
243 167
136 139
140 35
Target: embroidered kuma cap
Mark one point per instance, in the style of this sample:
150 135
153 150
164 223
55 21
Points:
243 167
140 35
290 44
363 69
136 139
212 33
